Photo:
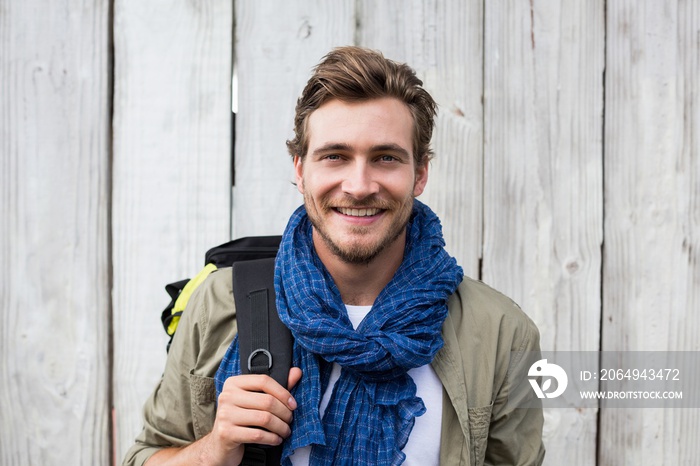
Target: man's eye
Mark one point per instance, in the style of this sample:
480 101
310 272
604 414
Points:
387 158
332 157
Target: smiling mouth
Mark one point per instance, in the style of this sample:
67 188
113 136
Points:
367 212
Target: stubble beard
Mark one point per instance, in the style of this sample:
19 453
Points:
358 252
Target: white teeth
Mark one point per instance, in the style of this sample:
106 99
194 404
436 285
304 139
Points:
358 212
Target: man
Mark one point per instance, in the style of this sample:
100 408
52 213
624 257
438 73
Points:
399 359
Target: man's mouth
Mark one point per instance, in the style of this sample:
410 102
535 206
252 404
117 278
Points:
352 212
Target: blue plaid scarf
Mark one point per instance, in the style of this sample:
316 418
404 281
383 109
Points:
373 406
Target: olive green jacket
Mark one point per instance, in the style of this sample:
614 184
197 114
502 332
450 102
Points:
485 334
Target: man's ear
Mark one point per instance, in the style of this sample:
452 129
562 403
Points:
299 173
421 179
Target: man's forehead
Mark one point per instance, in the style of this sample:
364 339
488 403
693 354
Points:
378 122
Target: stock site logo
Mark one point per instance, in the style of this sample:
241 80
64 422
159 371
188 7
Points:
548 372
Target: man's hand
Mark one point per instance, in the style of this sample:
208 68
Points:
251 409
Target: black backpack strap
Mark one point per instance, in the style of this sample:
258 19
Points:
265 343
262 455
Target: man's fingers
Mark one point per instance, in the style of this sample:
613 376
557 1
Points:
256 401
261 384
234 435
253 420
294 377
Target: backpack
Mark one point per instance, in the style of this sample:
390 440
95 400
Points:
224 255
265 343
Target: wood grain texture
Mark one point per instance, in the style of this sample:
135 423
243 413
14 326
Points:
652 214
172 159
442 41
543 68
54 280
277 44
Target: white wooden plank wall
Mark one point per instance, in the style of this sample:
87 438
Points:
543 165
652 179
54 283
566 175
171 175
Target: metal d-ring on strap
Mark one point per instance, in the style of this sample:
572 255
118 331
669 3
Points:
255 353
260 340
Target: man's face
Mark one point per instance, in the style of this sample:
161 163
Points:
359 176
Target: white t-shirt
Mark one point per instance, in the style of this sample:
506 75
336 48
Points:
423 447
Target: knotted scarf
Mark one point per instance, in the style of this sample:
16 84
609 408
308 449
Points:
373 405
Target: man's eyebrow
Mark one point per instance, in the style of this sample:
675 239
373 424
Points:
390 148
331 146
340 146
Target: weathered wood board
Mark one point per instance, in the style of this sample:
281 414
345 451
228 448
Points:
651 272
543 160
171 178
54 217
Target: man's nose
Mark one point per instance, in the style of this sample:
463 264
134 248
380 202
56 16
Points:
360 181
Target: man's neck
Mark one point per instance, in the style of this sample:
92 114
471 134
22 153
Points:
360 284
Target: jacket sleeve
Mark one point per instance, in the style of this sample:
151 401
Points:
182 407
515 431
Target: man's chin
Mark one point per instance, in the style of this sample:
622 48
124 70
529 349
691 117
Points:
356 253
